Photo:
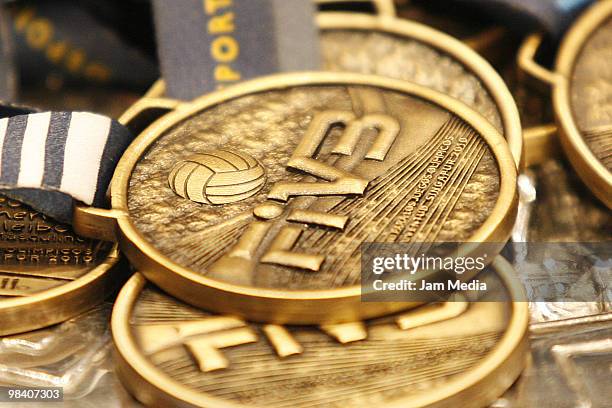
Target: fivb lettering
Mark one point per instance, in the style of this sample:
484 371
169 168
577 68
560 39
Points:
331 180
204 339
224 48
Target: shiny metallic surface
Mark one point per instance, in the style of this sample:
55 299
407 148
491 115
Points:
350 158
591 93
47 272
160 344
184 230
395 56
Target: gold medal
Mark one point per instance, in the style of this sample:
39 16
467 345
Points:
582 85
171 354
49 274
255 200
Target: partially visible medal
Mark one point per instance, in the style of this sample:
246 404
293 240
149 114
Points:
406 50
256 200
582 86
172 354
47 272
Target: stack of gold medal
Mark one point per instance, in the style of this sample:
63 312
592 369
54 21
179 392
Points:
244 213
267 202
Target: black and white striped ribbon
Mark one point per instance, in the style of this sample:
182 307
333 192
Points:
48 159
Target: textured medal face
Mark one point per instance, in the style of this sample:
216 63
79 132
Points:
279 188
37 255
209 360
591 93
409 51
582 98
396 56
405 171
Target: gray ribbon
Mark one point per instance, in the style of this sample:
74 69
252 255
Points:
207 44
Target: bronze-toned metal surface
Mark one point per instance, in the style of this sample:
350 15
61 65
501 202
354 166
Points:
47 272
297 120
409 166
408 50
169 353
404 50
581 91
591 90
541 144
217 177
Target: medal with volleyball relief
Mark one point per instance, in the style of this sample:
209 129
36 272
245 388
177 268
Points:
213 181
256 200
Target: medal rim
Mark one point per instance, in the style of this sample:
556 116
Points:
592 172
295 306
484 382
58 304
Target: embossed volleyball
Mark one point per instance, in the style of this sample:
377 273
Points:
217 177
